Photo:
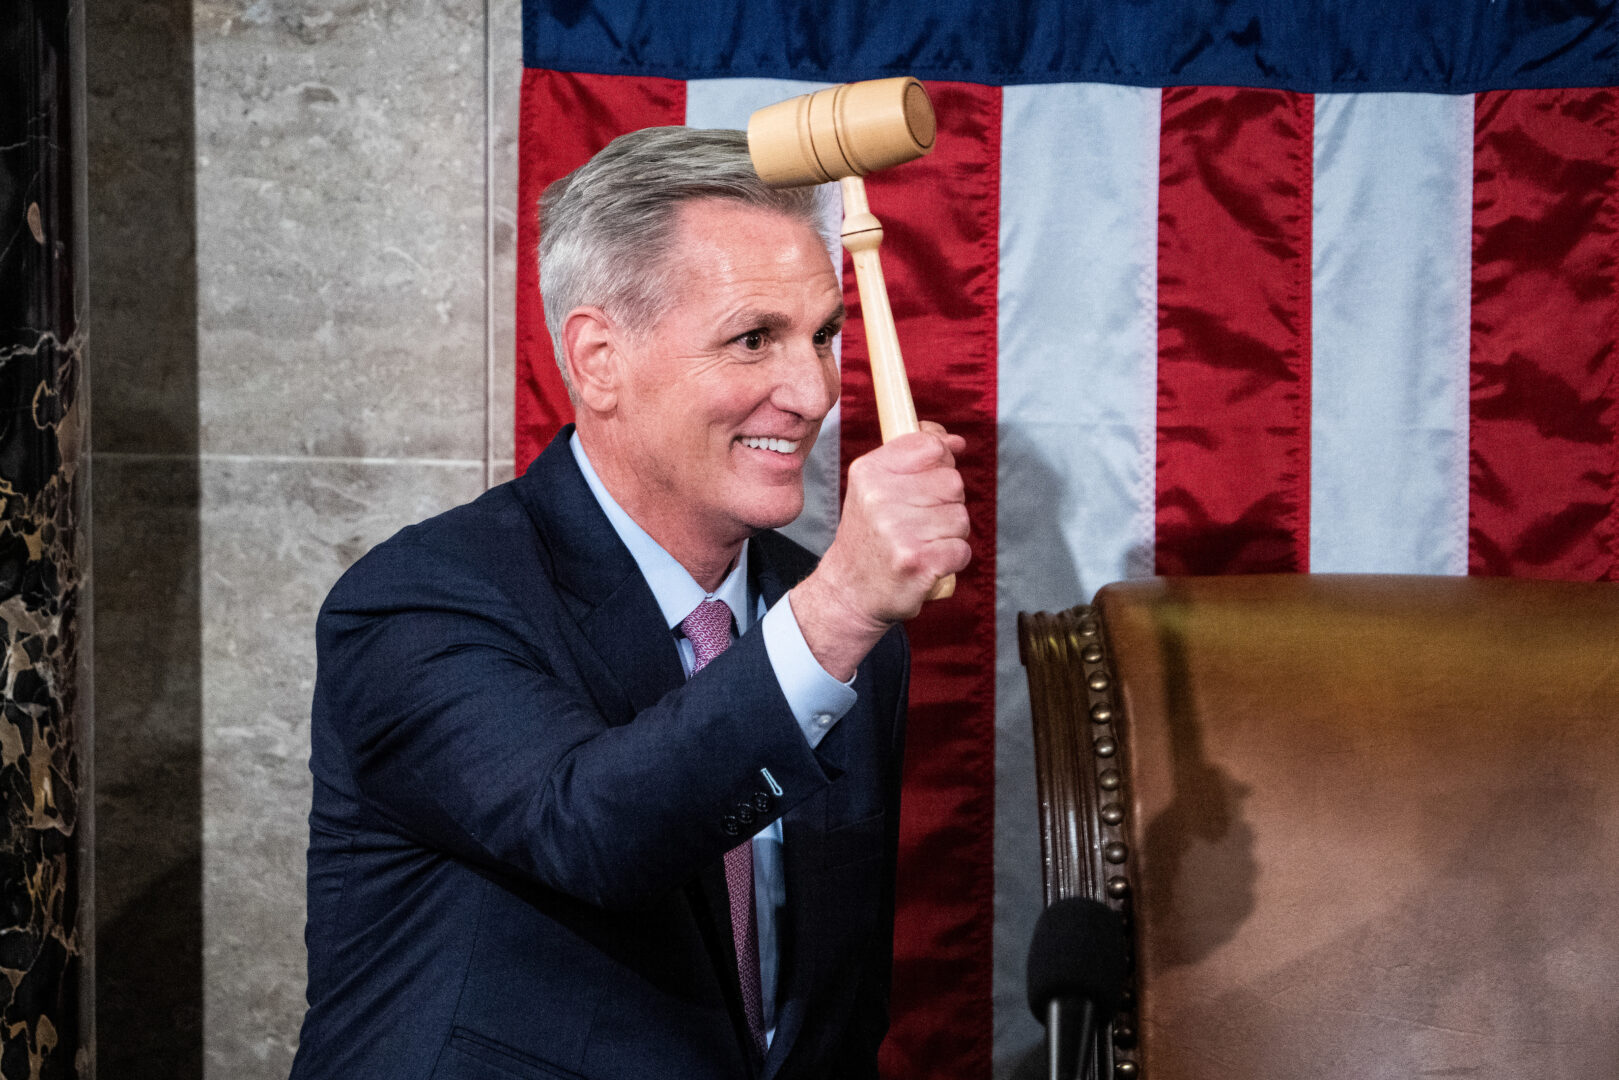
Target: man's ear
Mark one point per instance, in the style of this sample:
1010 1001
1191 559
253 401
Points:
594 362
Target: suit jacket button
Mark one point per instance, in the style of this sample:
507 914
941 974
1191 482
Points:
744 813
729 825
763 801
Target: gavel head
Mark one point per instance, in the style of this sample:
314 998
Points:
847 130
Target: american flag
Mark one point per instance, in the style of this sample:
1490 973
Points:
1209 288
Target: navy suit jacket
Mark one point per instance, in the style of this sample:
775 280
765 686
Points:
521 809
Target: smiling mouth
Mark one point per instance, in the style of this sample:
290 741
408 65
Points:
778 446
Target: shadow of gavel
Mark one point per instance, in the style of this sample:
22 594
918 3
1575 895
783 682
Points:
842 133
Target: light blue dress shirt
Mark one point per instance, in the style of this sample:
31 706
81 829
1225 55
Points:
817 700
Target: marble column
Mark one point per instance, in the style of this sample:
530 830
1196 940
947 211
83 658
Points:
42 543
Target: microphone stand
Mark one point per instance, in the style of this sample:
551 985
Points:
1063 1048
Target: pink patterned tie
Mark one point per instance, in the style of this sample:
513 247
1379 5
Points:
708 628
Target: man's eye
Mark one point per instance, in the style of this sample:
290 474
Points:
823 336
753 340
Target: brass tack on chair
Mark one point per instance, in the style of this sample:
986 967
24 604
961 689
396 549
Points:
1125 1070
1109 780
1106 746
1113 813
1092 653
1115 852
1101 712
1087 628
1097 681
1118 887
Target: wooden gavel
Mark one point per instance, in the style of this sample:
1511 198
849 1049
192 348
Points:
842 133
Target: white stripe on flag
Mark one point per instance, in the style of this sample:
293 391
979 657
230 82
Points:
727 103
1392 280
1077 413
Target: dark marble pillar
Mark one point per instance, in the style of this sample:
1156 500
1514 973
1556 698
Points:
42 542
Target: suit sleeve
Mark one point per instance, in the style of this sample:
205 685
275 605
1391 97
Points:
464 735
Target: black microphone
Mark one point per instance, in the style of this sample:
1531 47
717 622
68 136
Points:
1076 977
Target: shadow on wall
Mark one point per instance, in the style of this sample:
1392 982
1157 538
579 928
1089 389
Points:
148 719
1203 829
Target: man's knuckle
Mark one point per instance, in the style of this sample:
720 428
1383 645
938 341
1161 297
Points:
907 559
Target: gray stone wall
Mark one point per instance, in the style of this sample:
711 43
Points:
302 343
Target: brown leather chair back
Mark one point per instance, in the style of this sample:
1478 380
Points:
1360 826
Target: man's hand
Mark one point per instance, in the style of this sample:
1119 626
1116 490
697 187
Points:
904 527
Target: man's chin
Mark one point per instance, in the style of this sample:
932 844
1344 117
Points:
775 513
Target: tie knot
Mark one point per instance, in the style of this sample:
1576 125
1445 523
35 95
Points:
708 628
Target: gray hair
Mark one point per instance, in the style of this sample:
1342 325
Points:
607 227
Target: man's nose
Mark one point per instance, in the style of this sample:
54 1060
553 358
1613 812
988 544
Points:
809 383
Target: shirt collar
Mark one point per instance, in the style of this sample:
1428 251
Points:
676 591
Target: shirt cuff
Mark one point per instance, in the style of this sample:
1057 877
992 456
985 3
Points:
816 699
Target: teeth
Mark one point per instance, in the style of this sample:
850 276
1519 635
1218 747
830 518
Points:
780 446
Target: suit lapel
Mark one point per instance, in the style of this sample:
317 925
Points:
632 656
765 574
801 848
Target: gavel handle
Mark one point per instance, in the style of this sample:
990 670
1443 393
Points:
896 413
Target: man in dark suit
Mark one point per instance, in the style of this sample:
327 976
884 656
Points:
547 724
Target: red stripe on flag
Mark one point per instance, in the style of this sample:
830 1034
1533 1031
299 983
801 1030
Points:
1234 331
940 220
1544 430
565 119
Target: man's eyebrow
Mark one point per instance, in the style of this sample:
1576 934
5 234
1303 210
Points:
775 321
757 319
